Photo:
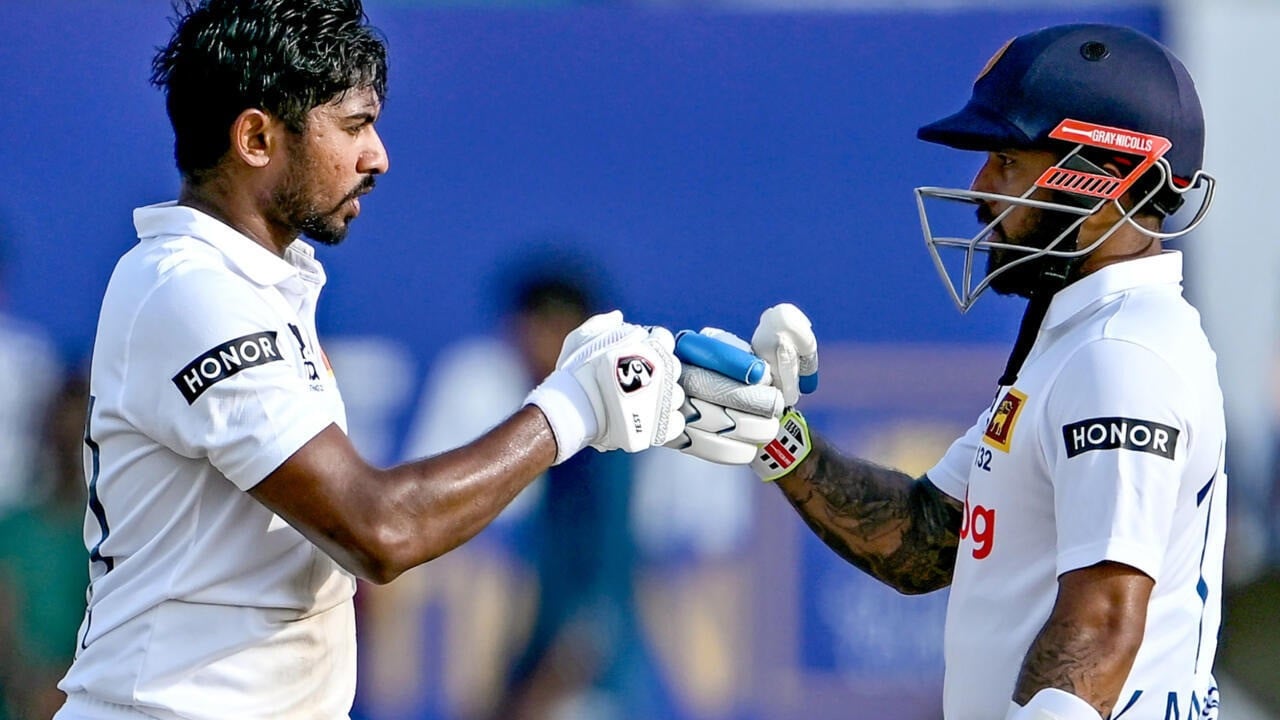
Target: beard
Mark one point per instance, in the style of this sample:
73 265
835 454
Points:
1029 277
324 229
297 208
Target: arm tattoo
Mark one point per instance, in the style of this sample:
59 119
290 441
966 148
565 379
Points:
1067 656
903 532
1088 645
1056 659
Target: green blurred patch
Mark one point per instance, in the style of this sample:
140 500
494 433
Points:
1250 648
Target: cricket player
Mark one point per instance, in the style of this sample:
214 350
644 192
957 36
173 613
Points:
1080 522
228 514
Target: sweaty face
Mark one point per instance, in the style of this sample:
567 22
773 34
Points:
330 164
1011 173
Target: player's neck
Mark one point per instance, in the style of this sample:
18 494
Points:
220 200
1121 247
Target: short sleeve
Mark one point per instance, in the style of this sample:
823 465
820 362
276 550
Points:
951 474
1115 439
210 373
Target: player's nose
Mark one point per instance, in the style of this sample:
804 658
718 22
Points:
983 181
374 159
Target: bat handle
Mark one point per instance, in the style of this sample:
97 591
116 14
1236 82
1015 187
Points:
719 356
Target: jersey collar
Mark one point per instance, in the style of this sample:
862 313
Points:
1162 269
252 260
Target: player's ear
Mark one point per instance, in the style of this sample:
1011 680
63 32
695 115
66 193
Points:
255 137
1106 216
1112 169
1136 193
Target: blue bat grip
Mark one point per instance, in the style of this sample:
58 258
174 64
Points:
720 356
808 383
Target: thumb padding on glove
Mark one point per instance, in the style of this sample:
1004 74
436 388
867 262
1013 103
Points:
785 338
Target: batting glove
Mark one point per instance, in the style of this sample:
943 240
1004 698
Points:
726 420
615 387
785 339
784 452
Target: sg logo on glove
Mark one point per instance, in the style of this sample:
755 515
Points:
634 372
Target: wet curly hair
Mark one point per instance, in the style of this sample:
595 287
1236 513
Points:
284 57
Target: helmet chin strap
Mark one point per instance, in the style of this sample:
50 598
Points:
1032 317
1057 273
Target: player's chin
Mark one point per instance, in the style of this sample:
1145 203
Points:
329 231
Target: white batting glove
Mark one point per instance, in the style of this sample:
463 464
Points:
615 387
785 339
726 420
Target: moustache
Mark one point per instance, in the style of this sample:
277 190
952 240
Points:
363 188
985 218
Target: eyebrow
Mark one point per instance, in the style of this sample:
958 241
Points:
364 118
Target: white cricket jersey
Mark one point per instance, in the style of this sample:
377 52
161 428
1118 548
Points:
1109 447
206 376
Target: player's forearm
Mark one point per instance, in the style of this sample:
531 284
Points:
1080 660
379 523
1088 644
433 505
900 530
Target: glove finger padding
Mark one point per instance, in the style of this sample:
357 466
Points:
593 335
725 420
784 337
709 417
723 435
699 382
714 448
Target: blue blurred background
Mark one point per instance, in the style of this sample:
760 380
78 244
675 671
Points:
702 161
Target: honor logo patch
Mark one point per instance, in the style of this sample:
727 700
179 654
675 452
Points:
1120 433
219 363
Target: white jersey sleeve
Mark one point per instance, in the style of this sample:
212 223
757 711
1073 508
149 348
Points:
951 474
1115 438
214 375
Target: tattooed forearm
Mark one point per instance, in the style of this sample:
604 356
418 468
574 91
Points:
1063 656
1088 644
1072 657
900 530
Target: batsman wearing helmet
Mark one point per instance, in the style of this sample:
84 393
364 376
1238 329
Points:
1080 521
